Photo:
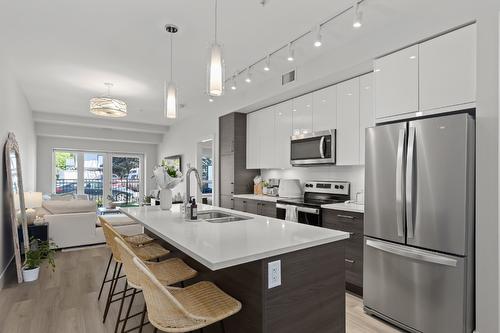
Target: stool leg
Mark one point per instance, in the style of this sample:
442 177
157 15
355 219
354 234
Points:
112 291
222 326
128 310
142 317
105 275
121 307
155 330
109 291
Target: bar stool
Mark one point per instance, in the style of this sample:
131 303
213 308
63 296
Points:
168 272
184 309
150 251
137 239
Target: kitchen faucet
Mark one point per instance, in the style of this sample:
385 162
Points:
188 185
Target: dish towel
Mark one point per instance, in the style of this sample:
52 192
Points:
291 214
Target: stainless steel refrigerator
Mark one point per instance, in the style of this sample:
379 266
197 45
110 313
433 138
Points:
419 224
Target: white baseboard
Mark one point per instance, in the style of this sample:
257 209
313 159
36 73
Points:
4 272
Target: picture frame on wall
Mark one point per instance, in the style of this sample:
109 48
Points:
175 161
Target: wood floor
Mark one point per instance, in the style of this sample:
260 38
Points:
66 300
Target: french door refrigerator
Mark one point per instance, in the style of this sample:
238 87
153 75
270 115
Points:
419 224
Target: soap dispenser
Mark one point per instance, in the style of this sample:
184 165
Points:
194 210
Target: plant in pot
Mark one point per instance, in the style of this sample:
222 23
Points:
38 252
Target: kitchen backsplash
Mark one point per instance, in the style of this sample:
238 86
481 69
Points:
353 174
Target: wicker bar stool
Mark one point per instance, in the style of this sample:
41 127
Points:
138 240
150 251
184 309
168 272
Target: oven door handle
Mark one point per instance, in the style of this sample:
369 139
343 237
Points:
307 210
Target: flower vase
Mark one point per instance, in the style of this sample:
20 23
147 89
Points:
166 199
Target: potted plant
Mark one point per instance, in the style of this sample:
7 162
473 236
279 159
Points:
38 252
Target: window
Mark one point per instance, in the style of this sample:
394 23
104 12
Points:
103 177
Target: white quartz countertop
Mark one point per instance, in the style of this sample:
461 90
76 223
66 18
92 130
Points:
350 207
257 197
221 245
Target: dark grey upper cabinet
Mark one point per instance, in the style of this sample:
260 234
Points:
234 178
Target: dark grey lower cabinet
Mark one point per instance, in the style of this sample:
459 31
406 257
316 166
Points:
227 201
352 223
257 207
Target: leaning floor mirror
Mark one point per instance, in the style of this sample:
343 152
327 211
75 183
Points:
15 199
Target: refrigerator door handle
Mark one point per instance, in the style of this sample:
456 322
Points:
409 182
400 207
412 253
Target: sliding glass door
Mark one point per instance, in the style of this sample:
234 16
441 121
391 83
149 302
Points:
103 177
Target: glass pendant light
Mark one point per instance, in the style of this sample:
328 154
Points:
169 89
215 71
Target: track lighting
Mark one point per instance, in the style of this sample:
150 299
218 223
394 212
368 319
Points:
233 83
267 66
317 40
290 52
248 79
358 16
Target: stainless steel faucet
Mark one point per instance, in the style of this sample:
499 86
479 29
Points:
188 185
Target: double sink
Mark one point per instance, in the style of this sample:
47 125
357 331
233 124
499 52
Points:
217 216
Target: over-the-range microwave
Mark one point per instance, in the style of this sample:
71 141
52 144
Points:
313 148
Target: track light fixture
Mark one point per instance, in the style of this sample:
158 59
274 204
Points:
267 66
358 16
290 52
317 39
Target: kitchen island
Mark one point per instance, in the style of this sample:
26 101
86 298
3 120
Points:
309 296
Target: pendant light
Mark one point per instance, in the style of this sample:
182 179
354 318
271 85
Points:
358 16
169 89
317 40
108 107
215 68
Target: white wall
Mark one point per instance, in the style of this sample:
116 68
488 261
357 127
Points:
47 144
15 116
433 17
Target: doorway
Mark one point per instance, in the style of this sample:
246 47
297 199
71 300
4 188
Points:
205 165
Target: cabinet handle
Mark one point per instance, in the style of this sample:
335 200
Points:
349 261
345 216
351 234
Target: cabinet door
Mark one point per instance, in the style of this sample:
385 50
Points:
396 83
366 112
253 141
252 207
267 209
226 201
448 69
266 136
239 204
348 122
227 174
226 131
302 114
283 132
325 109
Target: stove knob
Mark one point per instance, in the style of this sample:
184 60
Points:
341 187
336 187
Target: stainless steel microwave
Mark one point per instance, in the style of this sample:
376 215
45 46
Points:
313 149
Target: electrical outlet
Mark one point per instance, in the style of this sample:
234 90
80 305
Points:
273 274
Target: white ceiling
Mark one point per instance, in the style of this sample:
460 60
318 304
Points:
65 50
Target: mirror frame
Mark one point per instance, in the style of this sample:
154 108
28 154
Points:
12 146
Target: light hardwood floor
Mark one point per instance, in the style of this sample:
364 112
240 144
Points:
66 300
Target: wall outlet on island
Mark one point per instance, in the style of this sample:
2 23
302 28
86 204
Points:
273 274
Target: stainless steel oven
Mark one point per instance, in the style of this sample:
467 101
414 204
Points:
314 148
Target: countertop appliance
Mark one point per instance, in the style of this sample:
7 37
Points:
419 224
316 193
313 148
290 188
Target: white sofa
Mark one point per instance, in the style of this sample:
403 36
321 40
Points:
74 223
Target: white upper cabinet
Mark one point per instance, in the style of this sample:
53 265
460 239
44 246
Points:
366 111
302 114
267 139
325 109
448 69
348 122
253 141
396 83
283 131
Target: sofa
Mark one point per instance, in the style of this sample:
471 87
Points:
73 222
